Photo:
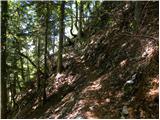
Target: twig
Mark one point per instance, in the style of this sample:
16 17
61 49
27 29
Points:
21 54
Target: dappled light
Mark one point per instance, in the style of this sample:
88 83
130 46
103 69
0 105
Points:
93 87
122 63
80 60
123 45
148 52
153 92
90 115
119 94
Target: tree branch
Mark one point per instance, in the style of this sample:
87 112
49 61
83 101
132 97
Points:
21 54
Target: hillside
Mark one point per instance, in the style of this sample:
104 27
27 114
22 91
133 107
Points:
112 74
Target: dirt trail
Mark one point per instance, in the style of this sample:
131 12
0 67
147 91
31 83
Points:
85 76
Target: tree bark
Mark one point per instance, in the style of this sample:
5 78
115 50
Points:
13 87
38 70
4 98
22 69
137 14
61 34
21 62
45 54
71 30
80 20
28 70
76 21
38 65
53 47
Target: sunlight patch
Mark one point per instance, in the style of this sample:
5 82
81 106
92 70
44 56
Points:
153 91
90 115
123 62
123 45
148 51
58 76
155 80
95 86
108 100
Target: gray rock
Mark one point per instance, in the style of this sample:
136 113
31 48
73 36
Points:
125 110
78 117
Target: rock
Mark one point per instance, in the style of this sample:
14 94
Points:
125 110
134 76
91 108
78 117
122 117
144 54
128 87
129 82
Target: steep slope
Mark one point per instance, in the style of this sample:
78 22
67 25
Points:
111 58
94 84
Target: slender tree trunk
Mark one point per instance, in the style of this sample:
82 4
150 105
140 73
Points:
28 70
4 98
45 55
76 21
52 56
61 34
53 43
9 92
80 20
13 82
18 83
16 80
38 66
71 30
53 47
89 8
137 14
38 71
22 68
72 23
14 86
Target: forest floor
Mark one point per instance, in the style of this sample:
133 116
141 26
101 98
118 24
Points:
94 80
92 85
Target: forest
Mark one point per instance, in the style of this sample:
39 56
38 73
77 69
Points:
79 59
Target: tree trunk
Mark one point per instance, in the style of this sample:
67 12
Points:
13 87
89 8
71 30
4 98
45 55
28 71
22 68
53 47
72 23
76 21
53 44
18 83
38 65
80 20
61 34
137 14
